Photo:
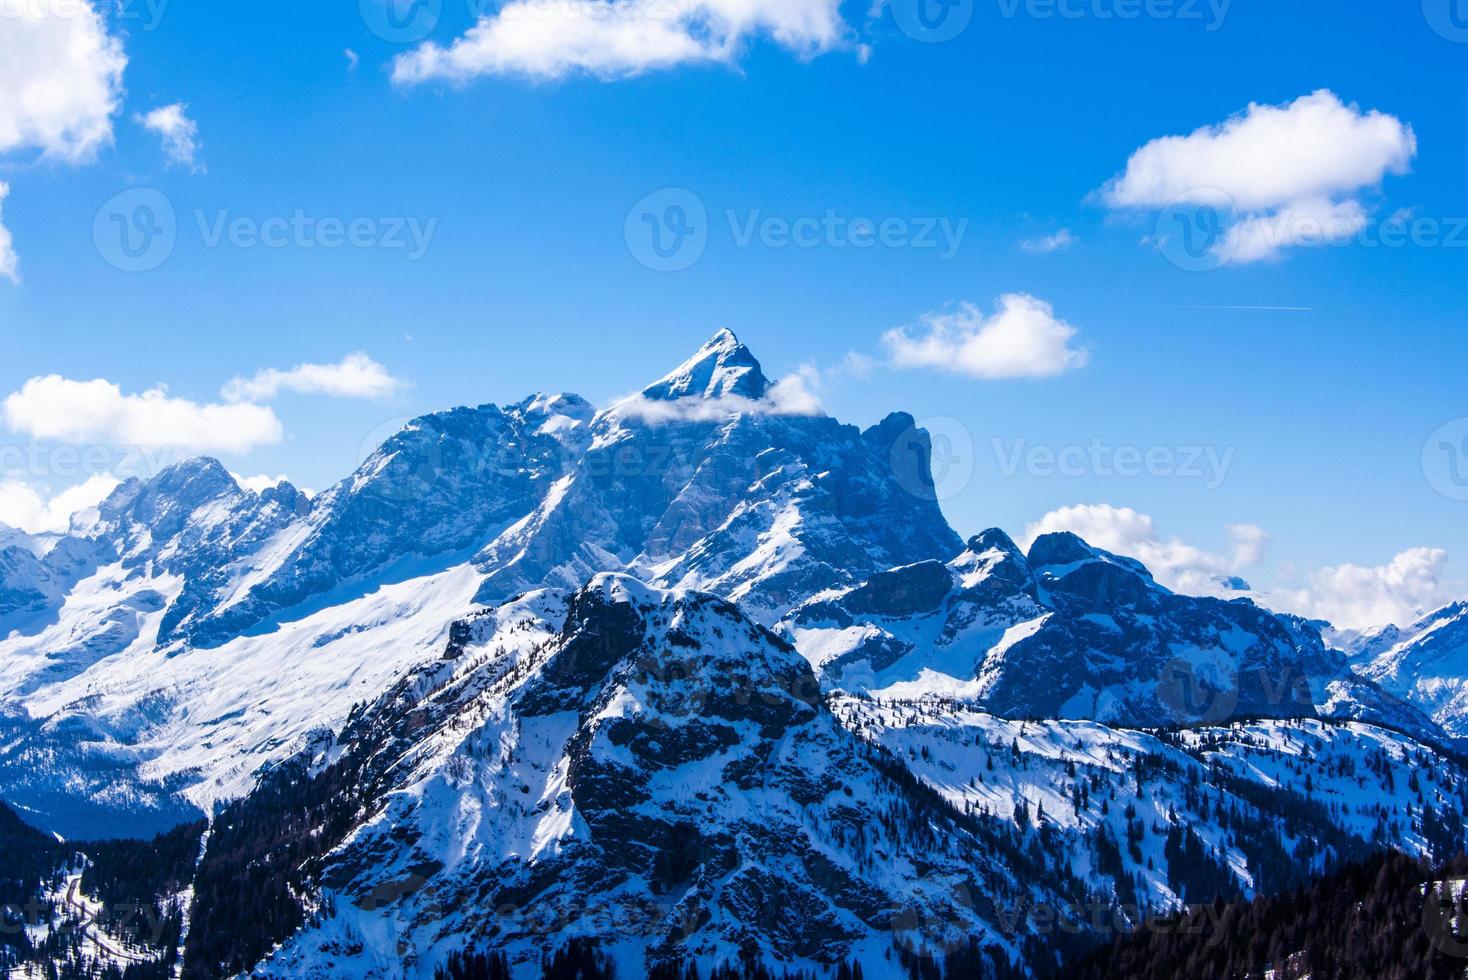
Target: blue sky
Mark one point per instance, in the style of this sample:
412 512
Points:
1317 372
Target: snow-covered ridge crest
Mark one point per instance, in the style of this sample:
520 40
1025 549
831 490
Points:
1072 631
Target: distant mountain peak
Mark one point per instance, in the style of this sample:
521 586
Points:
721 368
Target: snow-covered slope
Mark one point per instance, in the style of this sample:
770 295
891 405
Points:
189 630
647 769
1071 631
1425 664
654 772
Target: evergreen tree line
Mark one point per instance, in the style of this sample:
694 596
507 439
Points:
1389 917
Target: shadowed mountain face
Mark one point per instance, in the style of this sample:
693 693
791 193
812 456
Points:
1071 631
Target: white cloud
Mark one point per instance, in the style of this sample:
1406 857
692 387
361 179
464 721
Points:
61 73
53 407
353 59
619 38
1280 172
180 134
259 484
793 395
355 376
1315 221
1174 563
9 261
1023 339
1058 242
23 506
1360 597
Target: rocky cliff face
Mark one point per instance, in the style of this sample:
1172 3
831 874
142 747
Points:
652 771
654 774
1071 631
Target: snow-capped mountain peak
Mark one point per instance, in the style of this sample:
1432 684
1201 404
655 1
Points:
723 367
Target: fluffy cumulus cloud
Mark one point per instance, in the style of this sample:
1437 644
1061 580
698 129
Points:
9 261
23 506
1283 176
1022 339
1179 566
354 376
619 38
61 79
61 72
1360 597
57 408
180 135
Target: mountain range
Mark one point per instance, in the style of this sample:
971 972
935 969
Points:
703 678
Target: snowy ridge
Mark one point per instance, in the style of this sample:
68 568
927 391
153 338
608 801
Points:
1425 664
1071 631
